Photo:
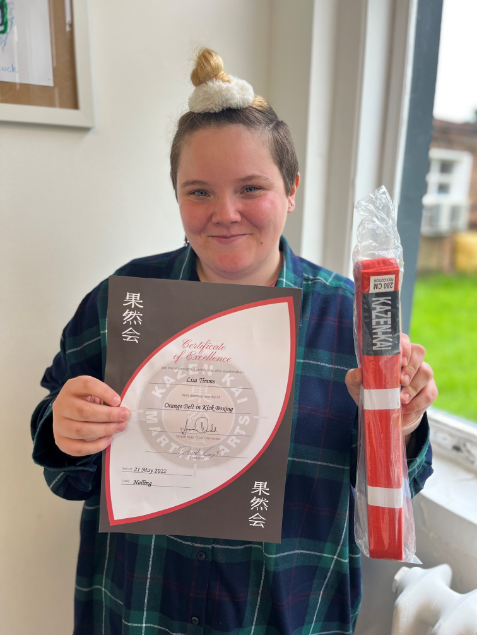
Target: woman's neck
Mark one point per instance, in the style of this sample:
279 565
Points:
265 276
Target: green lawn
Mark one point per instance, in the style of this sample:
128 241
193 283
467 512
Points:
444 321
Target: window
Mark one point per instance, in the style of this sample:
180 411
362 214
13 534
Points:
458 217
444 311
446 203
446 167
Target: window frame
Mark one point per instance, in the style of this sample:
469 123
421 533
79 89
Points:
417 144
454 436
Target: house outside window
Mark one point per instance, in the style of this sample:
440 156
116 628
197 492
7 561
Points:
446 204
444 315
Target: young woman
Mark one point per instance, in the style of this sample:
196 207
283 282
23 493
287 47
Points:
235 174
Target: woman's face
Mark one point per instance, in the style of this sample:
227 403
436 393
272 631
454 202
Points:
233 203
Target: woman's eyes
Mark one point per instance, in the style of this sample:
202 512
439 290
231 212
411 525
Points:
249 189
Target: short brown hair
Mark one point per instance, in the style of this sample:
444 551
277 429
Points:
259 116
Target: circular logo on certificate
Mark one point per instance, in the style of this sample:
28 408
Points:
198 414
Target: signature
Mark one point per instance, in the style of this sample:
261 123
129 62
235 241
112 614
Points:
200 425
200 454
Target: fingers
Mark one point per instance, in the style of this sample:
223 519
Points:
413 363
86 386
354 377
419 404
414 381
420 389
354 380
83 448
82 424
405 349
83 410
81 438
87 431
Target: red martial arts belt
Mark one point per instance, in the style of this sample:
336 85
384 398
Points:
378 314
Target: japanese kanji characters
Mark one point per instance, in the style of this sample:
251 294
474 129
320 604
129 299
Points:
130 335
257 521
133 299
260 488
132 317
259 503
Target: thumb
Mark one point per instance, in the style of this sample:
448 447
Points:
353 380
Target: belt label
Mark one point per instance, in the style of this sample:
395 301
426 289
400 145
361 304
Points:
381 327
381 283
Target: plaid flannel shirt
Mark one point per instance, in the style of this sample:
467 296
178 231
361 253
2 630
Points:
310 584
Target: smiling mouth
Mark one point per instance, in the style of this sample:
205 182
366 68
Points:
227 237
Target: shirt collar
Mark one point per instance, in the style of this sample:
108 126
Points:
291 274
181 265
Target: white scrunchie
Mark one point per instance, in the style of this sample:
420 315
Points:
216 95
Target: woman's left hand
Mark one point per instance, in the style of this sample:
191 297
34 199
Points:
419 388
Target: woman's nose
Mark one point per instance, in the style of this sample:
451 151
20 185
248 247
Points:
226 210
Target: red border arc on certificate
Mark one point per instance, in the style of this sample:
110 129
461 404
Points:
291 315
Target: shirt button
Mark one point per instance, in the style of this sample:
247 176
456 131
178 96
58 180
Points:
194 620
201 555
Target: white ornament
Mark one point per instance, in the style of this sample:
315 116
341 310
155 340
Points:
216 95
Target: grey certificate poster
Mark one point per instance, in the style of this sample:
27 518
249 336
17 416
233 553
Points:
207 372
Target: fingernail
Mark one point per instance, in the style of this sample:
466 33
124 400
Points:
116 400
405 397
124 413
404 361
406 378
121 426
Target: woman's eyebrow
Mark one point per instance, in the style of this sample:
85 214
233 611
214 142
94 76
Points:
256 175
190 183
250 177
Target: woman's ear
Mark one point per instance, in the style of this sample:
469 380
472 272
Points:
291 196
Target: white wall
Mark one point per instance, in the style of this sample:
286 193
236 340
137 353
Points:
318 142
291 37
75 205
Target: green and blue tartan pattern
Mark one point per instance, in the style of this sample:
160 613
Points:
310 584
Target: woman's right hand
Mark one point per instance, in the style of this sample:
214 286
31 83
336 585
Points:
82 425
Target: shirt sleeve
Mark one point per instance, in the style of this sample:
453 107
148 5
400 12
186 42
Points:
80 354
419 458
419 455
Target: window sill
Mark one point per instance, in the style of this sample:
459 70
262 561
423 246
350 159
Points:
453 438
454 482
445 512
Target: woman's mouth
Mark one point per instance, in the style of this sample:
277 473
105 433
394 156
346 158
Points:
227 239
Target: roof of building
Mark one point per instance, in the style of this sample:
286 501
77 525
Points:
466 129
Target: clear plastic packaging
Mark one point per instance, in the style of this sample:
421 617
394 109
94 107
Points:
384 522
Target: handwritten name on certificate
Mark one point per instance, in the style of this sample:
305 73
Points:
207 373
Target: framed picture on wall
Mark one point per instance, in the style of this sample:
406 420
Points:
45 66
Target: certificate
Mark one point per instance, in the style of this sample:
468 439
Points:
207 373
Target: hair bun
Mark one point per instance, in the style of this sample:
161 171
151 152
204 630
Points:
208 65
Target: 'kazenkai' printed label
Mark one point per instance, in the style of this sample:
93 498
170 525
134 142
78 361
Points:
381 329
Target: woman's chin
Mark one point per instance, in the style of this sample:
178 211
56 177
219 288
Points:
229 265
